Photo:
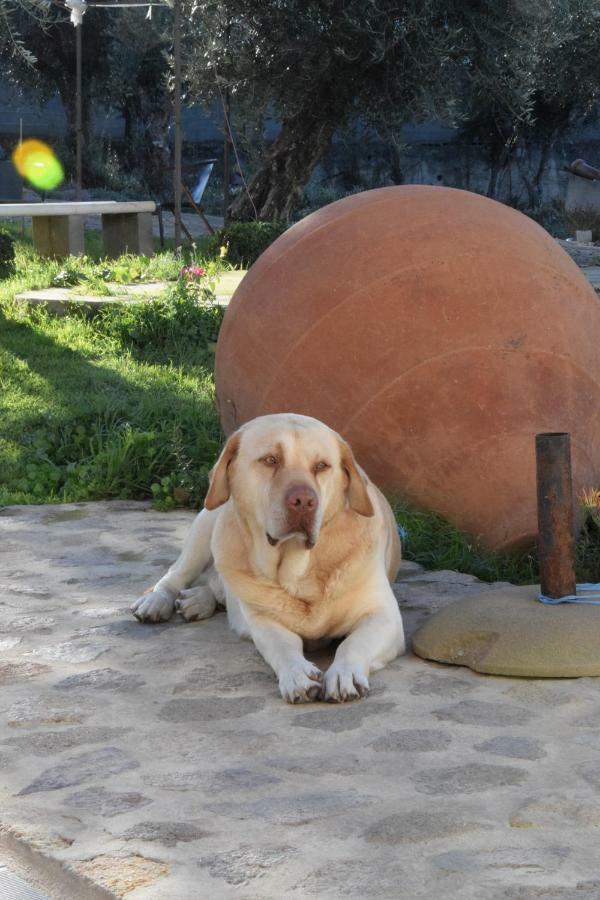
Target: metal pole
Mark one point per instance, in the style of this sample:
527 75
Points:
556 541
226 158
227 144
78 113
177 120
20 142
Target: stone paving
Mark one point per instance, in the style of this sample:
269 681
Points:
159 762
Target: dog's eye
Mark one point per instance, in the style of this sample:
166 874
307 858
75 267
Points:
320 466
269 460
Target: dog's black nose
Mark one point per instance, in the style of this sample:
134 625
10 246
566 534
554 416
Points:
301 499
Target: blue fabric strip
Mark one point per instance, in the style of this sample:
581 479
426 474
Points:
592 600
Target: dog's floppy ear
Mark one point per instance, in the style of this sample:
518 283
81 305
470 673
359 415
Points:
218 492
358 496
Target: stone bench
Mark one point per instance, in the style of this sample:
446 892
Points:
58 228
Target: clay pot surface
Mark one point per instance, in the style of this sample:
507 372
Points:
438 331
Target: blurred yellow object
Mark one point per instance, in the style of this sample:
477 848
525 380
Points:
37 162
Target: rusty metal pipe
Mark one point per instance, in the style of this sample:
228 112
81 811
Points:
556 540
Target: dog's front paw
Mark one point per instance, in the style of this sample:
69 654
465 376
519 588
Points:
345 681
196 603
301 683
156 606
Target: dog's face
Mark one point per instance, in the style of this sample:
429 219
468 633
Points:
288 474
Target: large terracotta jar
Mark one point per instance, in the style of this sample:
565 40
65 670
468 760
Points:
438 331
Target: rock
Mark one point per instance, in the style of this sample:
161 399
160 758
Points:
359 879
72 651
469 779
590 773
408 569
28 713
537 861
167 833
120 874
443 576
588 890
536 693
590 720
10 672
122 628
589 739
244 864
515 747
214 678
340 717
179 781
227 779
450 686
480 712
293 810
210 708
421 825
36 837
412 741
45 742
8 643
85 766
101 680
106 803
28 623
507 631
556 811
325 765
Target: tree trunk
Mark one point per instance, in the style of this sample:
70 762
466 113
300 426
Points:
145 138
67 96
545 154
396 171
276 188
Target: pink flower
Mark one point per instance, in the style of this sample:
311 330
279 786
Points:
191 272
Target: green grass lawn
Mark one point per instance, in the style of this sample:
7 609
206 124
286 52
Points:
118 406
122 405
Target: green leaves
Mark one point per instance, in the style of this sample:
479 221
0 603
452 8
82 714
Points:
7 255
245 241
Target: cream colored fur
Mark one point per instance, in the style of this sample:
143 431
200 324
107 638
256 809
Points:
281 595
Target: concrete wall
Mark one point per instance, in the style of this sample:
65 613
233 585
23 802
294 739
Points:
431 153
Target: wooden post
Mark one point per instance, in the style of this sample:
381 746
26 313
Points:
556 541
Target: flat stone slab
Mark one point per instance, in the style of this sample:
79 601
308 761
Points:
160 763
57 300
509 632
76 208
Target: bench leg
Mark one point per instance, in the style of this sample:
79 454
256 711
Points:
127 233
58 236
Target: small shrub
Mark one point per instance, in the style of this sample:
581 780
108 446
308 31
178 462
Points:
7 255
583 218
317 195
553 217
184 319
435 543
245 241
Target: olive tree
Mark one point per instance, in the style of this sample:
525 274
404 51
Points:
319 64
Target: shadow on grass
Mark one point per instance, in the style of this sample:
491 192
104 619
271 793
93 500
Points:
80 422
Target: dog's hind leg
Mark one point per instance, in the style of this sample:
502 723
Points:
201 600
159 604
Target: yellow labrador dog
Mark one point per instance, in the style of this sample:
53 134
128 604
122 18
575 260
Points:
298 544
